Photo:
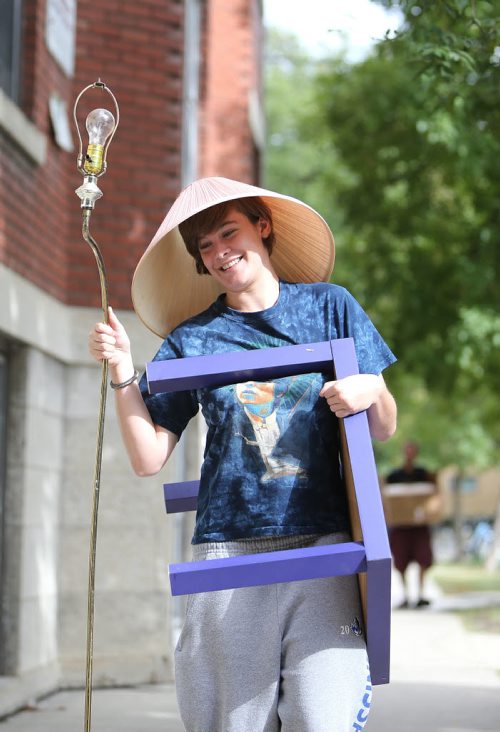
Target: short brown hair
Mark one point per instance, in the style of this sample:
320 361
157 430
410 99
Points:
206 221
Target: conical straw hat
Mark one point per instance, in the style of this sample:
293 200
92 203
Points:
166 289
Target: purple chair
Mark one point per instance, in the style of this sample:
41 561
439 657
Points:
368 555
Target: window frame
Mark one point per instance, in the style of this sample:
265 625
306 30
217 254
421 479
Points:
11 85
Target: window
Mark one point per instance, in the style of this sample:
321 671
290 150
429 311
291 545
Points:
10 46
3 448
3 431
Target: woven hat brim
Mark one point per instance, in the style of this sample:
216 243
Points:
166 289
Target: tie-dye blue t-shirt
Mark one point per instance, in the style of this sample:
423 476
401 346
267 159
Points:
271 456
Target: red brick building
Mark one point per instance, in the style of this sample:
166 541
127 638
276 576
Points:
187 77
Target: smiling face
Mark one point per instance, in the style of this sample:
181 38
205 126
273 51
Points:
234 252
209 219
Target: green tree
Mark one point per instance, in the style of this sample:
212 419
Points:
299 154
400 153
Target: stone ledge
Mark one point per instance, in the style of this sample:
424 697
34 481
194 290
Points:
35 318
24 133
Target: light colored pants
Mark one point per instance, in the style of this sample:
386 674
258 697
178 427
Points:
287 657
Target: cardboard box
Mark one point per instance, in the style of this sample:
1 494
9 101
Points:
411 504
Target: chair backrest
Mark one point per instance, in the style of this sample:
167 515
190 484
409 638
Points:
368 555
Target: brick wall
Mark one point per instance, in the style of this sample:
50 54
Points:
34 199
136 48
231 71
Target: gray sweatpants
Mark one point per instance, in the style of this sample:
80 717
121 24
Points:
287 657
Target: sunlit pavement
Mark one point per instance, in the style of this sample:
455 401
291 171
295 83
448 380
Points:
443 678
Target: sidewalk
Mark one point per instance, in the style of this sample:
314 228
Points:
442 678
148 708
432 645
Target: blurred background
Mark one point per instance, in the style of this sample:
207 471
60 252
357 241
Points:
383 116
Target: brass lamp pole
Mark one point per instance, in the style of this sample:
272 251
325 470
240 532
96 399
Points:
101 126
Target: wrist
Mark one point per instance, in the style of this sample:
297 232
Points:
121 371
127 382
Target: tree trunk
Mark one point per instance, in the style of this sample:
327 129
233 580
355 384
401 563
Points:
457 516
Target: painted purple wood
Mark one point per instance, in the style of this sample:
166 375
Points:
373 526
268 568
378 618
192 577
221 369
363 465
181 497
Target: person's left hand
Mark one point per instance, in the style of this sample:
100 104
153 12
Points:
352 394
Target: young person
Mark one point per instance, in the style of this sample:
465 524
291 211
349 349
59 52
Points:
256 659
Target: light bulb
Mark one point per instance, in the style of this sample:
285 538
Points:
100 124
